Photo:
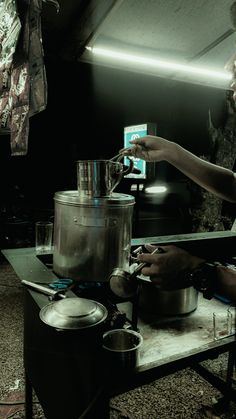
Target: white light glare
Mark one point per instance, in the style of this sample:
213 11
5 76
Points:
156 189
168 65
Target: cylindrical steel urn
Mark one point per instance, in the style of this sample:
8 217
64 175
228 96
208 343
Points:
92 235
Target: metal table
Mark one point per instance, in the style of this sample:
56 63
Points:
169 344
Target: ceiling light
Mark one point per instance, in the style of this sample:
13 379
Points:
156 63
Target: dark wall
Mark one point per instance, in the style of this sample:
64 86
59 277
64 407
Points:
180 110
87 110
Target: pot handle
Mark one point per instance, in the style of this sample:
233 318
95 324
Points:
43 290
129 169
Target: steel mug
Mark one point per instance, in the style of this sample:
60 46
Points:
98 178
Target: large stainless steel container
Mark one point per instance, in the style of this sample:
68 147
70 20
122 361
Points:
91 235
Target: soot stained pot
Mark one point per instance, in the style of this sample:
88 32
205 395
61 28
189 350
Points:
75 358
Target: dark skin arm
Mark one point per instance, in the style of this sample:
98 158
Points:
214 178
165 268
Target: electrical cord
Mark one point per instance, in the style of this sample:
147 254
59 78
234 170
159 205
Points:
14 402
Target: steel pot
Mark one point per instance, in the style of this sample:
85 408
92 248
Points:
70 336
91 235
154 300
73 314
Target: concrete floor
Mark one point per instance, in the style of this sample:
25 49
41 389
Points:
182 395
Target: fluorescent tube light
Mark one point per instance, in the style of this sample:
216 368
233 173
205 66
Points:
155 63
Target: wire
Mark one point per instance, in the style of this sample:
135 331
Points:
15 402
12 403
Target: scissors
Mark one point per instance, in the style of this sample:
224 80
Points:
61 283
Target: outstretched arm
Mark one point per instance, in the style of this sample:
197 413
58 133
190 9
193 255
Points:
214 178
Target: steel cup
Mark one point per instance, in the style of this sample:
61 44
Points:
98 178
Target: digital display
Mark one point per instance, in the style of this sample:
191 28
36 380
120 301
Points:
131 133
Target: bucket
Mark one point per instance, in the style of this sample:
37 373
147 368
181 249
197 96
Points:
122 349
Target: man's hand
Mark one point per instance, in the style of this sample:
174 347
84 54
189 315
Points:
165 268
149 148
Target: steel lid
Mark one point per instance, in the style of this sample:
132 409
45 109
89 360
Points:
73 198
73 313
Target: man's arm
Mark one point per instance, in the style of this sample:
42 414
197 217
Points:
214 178
175 266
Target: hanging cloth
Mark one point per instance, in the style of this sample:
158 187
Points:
26 92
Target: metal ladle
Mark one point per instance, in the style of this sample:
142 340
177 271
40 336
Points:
120 155
128 169
124 284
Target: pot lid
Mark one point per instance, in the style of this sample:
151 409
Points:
73 198
73 313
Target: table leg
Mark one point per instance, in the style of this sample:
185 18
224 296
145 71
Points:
224 386
231 365
226 399
28 398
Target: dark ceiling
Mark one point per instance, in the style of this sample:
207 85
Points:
192 32
68 28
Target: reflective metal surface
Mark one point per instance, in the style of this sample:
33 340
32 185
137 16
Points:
154 300
122 349
73 313
125 284
91 235
97 178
